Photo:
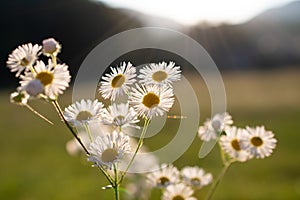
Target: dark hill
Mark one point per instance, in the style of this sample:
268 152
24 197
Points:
78 24
271 39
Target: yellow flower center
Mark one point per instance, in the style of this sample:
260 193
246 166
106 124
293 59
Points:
118 81
46 78
159 76
256 141
150 100
83 115
236 145
163 180
24 62
109 155
178 197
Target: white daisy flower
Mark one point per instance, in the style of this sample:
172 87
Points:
164 176
55 80
83 111
151 100
196 176
20 97
22 58
212 128
178 192
109 149
159 74
231 143
51 47
259 142
118 82
120 115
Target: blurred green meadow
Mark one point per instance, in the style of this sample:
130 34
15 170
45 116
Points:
36 165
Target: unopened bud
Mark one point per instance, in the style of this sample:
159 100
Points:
34 87
51 47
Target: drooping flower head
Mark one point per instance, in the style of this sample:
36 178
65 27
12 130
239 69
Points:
22 58
178 191
212 128
259 142
164 176
20 97
55 79
231 143
83 111
109 149
118 82
160 74
195 176
150 101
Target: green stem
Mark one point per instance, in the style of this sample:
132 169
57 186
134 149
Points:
117 194
116 184
222 154
108 177
139 145
216 182
87 128
54 61
32 69
60 112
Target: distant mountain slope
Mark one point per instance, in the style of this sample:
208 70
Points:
286 14
154 21
271 39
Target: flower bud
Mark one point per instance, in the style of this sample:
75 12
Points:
51 47
34 87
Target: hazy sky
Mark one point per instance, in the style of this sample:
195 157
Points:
193 11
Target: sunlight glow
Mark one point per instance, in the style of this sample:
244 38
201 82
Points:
190 12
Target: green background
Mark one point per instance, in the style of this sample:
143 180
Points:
35 165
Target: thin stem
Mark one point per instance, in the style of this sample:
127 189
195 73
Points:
54 61
116 184
60 112
32 69
87 128
216 182
222 154
108 177
38 114
139 145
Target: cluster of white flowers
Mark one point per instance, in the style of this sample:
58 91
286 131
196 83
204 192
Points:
148 98
178 184
240 144
38 79
144 100
136 97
